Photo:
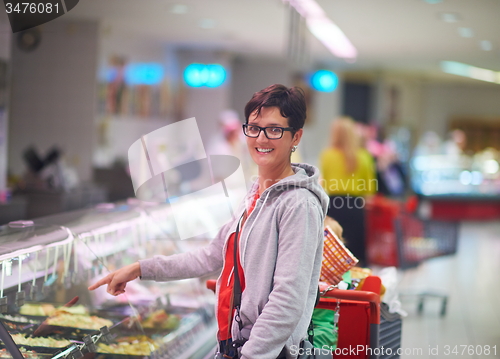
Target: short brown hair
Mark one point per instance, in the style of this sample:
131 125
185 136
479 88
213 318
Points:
290 101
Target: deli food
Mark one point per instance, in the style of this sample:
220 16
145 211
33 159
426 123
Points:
46 309
38 309
19 319
25 353
136 345
22 339
160 319
64 319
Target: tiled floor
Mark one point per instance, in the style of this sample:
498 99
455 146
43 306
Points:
471 278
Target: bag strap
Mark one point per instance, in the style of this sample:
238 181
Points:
237 282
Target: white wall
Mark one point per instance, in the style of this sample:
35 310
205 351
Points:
53 95
253 74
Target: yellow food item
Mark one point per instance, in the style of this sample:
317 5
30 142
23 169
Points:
21 339
46 310
37 309
65 319
76 309
139 345
26 353
360 273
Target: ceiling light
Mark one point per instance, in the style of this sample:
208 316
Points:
460 69
465 32
486 45
324 29
207 23
179 9
449 17
433 1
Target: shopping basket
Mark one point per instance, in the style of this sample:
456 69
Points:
395 237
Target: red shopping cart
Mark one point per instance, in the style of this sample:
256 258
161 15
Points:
395 237
362 332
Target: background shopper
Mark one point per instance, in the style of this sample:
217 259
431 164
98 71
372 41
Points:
348 175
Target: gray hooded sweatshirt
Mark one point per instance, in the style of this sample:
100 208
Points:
281 249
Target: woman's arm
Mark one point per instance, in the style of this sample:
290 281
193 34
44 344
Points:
191 264
203 261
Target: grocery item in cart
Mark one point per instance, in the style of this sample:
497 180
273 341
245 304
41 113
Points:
337 259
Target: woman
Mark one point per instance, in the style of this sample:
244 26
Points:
348 175
279 236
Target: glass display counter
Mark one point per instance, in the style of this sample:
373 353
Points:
458 187
47 310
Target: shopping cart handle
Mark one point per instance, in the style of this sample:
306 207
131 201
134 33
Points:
211 284
330 299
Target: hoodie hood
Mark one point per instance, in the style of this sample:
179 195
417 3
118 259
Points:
306 176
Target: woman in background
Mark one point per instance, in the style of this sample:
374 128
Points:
348 176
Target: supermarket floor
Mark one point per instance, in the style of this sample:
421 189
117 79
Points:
471 326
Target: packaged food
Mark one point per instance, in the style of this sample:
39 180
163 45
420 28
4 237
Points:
160 319
22 339
65 319
135 345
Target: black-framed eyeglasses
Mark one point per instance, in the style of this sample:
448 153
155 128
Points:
272 133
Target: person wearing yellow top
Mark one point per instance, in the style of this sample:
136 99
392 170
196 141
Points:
348 176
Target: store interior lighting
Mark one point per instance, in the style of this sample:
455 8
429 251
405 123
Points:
144 74
460 69
324 81
465 32
491 166
324 29
202 75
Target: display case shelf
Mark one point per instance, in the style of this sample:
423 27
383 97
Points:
62 254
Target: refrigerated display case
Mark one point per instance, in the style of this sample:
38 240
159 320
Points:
458 187
48 263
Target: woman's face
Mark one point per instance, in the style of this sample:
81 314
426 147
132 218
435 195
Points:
268 153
